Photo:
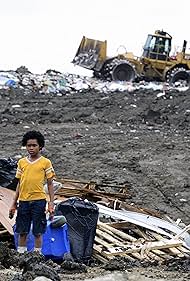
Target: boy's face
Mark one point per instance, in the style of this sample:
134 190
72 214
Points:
33 147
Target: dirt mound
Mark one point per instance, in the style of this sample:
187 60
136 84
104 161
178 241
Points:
140 139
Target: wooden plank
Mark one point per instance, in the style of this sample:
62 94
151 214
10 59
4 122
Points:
99 251
3 231
4 218
91 183
153 256
87 191
117 232
101 242
123 225
147 246
64 180
89 188
7 195
136 255
98 248
99 257
6 199
112 234
184 250
172 250
123 245
159 253
108 237
124 235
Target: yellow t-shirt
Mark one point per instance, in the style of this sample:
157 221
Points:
32 176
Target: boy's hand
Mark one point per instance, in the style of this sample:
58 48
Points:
12 210
51 210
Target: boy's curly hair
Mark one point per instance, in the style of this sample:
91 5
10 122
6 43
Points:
33 135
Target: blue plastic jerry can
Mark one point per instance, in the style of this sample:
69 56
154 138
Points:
55 242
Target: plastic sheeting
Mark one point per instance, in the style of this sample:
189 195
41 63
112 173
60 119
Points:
7 170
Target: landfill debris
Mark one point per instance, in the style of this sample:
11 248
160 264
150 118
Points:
141 116
54 82
125 230
42 278
137 235
8 79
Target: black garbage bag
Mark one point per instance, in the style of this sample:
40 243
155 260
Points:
81 216
8 168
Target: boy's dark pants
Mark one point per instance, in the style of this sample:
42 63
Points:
31 212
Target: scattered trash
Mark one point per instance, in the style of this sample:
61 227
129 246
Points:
160 94
105 230
8 80
127 230
16 106
60 83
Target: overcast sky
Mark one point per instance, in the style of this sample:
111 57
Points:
44 34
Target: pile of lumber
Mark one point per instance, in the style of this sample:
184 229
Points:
90 190
111 242
125 238
122 230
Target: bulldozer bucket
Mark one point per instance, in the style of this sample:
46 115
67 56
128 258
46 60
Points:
91 54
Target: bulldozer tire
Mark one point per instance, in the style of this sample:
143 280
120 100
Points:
119 70
179 74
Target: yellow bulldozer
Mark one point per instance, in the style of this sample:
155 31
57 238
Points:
155 64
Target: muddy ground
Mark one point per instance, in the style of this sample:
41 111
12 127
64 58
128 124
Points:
137 139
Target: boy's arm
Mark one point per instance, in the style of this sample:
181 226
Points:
14 203
51 195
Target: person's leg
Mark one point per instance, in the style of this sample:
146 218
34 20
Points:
22 247
23 222
22 240
38 243
39 222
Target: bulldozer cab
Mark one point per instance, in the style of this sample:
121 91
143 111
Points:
157 46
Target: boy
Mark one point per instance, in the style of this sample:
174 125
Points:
31 174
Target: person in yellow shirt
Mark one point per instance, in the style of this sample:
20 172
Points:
32 172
